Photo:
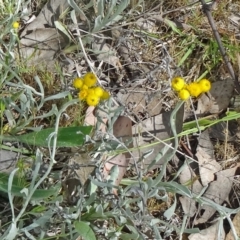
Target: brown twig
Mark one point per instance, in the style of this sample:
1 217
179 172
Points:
207 10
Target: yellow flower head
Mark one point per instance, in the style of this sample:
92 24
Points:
83 94
90 91
105 95
194 89
90 79
205 85
98 91
92 100
78 83
184 94
178 83
15 25
85 87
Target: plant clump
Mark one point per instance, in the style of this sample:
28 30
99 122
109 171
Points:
88 91
194 89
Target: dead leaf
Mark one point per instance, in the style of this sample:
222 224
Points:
218 131
208 166
217 99
210 233
217 191
40 46
122 129
40 40
236 224
105 52
141 102
189 178
146 132
188 205
7 160
91 120
49 13
85 166
78 175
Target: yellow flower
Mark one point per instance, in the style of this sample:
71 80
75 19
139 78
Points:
85 87
194 89
15 25
184 94
205 85
90 79
91 91
78 83
178 83
105 95
98 91
92 100
82 94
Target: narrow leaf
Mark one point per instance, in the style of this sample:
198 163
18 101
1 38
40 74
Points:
170 211
66 137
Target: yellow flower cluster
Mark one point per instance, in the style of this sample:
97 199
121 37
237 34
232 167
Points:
194 89
88 91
